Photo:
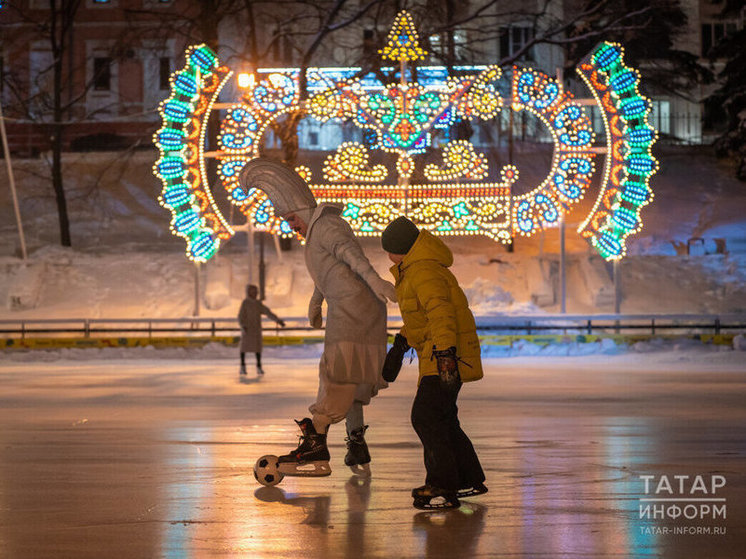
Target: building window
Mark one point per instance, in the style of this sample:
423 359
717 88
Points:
439 45
164 73
660 116
369 43
713 33
313 138
514 38
102 74
287 50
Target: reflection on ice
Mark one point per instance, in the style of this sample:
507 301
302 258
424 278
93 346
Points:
163 465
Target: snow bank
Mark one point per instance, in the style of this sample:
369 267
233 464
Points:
25 286
654 351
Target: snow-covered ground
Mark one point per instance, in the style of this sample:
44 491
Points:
125 264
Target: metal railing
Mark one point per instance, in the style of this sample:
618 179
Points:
616 323
493 325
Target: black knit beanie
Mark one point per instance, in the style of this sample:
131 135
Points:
399 236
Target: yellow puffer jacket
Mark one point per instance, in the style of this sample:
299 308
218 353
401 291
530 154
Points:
434 308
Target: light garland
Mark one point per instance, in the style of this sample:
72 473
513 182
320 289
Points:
459 161
572 161
402 41
194 214
625 187
401 119
350 163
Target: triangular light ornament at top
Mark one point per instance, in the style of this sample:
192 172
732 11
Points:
402 42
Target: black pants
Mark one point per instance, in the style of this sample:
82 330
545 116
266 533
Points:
258 359
450 459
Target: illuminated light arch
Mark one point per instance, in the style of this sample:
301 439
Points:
629 166
572 159
180 165
401 119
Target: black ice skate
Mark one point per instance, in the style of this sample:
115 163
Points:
476 489
242 370
311 458
428 497
358 457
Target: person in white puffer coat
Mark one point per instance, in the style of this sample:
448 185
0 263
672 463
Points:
355 338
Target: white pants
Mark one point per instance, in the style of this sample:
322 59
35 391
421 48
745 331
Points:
336 401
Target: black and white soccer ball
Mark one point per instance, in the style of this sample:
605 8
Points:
266 472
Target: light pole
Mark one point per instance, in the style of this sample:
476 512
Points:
6 151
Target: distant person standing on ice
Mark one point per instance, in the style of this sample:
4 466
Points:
440 327
250 319
355 337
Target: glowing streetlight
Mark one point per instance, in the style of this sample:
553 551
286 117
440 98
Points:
245 80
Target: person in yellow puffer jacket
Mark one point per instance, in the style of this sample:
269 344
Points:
440 327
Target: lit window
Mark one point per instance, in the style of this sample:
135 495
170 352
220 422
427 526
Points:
439 45
660 116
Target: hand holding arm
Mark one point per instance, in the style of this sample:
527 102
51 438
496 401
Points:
346 248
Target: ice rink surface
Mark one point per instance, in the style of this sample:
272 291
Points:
151 458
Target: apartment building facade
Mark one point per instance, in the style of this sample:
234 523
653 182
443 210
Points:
120 54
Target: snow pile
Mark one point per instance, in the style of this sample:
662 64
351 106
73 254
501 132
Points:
25 286
657 349
488 298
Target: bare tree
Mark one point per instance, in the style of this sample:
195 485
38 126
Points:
56 28
54 95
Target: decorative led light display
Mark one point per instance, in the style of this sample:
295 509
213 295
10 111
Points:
625 185
453 197
572 160
402 42
180 165
459 161
350 163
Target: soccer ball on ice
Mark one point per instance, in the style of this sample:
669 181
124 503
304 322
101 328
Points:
266 472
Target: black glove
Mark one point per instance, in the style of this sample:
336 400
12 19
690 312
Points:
394 358
447 366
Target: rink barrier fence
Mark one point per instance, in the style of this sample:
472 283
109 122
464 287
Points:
496 330
11 344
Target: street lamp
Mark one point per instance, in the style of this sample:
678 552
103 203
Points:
246 80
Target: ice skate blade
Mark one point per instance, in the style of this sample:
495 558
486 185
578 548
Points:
319 468
471 492
361 470
429 505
